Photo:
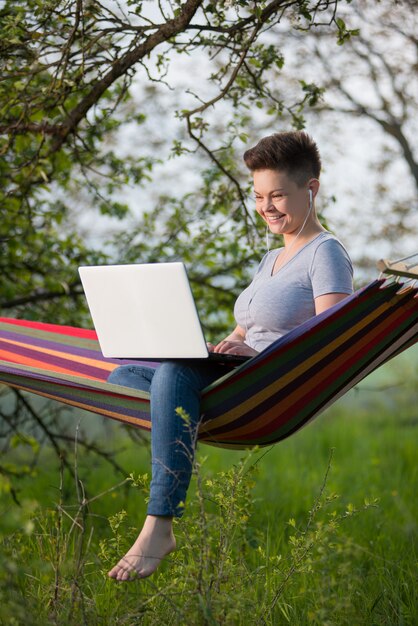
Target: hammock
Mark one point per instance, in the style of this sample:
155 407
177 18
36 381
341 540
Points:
261 402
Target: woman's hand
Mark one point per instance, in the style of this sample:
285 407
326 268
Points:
233 344
229 346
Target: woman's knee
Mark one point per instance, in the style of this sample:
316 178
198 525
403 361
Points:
136 376
170 374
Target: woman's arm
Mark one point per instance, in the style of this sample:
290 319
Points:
322 303
235 342
238 334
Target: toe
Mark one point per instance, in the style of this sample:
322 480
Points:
124 575
113 573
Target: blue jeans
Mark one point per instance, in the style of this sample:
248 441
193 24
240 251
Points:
173 385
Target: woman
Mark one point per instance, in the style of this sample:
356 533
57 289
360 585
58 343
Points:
309 274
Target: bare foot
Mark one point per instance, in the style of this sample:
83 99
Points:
154 542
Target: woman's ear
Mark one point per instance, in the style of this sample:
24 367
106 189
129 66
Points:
313 187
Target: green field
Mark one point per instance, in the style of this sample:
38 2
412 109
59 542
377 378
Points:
279 536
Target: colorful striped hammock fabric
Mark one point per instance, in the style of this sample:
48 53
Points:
258 403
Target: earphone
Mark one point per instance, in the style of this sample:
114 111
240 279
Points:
310 199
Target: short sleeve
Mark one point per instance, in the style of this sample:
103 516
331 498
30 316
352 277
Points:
331 269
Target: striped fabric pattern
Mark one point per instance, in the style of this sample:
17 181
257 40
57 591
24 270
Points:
260 402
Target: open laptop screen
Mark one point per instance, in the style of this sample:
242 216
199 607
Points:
145 311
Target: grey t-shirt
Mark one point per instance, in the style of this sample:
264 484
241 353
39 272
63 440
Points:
272 305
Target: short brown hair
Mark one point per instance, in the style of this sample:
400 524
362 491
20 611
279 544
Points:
294 152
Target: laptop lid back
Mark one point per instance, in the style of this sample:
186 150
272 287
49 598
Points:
143 311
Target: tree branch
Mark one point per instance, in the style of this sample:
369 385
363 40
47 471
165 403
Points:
122 65
74 290
50 436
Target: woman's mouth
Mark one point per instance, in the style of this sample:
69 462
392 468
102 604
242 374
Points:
275 218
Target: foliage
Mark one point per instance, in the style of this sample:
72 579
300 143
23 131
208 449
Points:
82 84
98 101
249 531
222 572
75 136
26 427
370 87
68 75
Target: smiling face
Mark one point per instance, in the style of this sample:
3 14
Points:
281 202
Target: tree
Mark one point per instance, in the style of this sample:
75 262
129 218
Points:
370 85
68 68
70 74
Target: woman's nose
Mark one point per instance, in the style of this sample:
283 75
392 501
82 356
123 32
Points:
268 204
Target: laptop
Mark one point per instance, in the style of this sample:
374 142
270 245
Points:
146 311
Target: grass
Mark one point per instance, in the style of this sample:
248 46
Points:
282 536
